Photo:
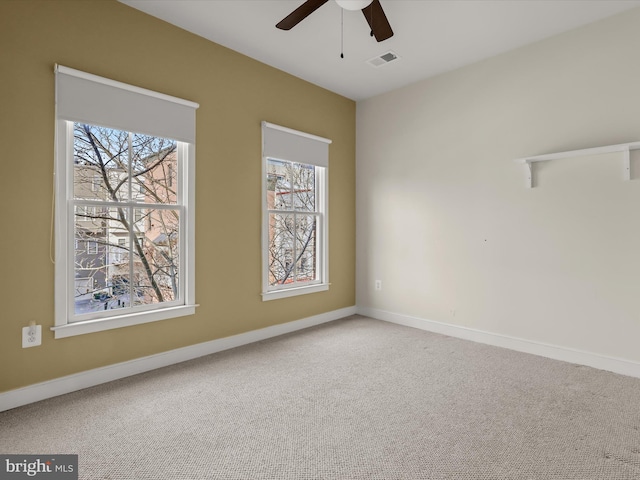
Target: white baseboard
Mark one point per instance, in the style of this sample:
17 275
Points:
580 357
59 386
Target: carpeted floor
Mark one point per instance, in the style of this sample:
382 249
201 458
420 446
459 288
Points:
352 399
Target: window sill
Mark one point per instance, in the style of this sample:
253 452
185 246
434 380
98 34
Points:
99 325
292 292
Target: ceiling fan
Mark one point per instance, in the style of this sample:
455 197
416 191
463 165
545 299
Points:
371 9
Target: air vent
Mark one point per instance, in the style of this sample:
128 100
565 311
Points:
383 59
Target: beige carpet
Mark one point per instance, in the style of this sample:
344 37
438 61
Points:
353 399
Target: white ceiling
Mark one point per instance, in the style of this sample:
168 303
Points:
431 36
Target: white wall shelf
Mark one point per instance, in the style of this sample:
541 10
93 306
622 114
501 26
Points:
624 148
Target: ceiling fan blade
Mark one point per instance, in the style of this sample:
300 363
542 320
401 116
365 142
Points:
377 21
300 13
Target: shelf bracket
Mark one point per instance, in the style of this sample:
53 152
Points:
627 163
529 174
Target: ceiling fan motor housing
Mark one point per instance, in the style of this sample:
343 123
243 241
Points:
353 4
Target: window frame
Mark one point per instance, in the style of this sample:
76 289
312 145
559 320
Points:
273 292
64 222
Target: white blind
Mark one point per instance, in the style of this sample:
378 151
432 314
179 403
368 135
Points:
286 144
87 98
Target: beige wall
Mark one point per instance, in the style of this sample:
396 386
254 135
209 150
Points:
447 224
235 93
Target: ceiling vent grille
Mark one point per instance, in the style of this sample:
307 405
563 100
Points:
383 59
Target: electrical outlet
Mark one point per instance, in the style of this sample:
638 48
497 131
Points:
31 336
378 285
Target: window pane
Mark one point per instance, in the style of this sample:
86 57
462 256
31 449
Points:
154 169
279 185
304 187
97 231
306 248
156 261
100 157
281 248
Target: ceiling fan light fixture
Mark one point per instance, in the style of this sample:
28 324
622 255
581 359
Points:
354 4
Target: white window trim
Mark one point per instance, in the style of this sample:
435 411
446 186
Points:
64 272
322 232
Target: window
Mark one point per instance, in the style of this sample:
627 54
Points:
92 248
119 252
96 182
294 226
118 221
139 215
